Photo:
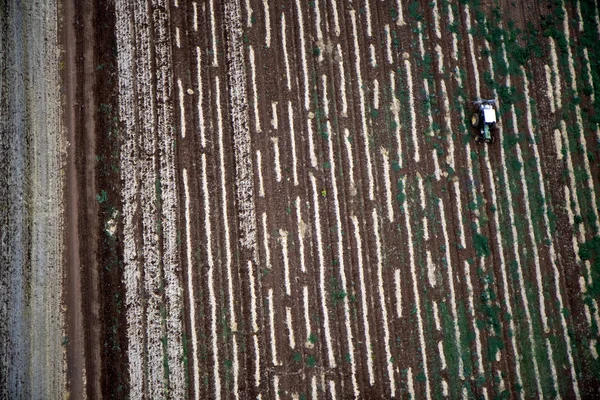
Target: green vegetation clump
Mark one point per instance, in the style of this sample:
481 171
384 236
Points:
401 196
481 245
590 251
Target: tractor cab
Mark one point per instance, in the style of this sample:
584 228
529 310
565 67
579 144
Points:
484 120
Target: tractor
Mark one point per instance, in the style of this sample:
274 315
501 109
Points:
484 120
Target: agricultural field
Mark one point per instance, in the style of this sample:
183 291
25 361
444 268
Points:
285 200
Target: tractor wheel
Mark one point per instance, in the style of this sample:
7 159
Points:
475 120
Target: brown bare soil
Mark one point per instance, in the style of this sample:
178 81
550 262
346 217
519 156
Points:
285 199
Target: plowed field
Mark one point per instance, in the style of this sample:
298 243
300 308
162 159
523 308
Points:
285 199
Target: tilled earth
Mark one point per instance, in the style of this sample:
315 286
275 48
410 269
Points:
271 199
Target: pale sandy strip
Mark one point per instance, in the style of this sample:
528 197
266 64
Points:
536 257
307 316
321 260
290 327
190 285
516 253
388 44
213 30
341 259
451 287
275 142
395 107
342 80
181 108
553 369
546 222
596 315
313 385
336 18
131 186
332 391
472 49
586 59
173 329
261 186
588 314
272 328
300 17
383 306
372 56
348 146
363 300
177 37
227 235
472 184
437 172
506 293
469 169
446 103
274 118
266 240
376 94
257 127
579 18
302 228
436 316
211 281
155 329
417 293
388 185
550 89
318 28
555 74
515 248
454 36
248 13
276 390
425 81
195 16
398 293
597 20
411 384
364 130
367 8
267 23
579 121
436 19
574 199
400 20
503 267
423 206
474 319
411 104
200 96
286 59
442 355
293 141
283 239
256 362
325 99
254 323
311 144
318 20
430 269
